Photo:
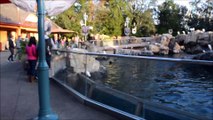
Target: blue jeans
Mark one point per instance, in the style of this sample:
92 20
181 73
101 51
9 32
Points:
18 52
10 58
32 65
48 60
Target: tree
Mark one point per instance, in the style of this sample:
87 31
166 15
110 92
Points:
201 16
171 16
142 15
70 19
110 19
145 24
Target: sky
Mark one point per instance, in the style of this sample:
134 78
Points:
180 2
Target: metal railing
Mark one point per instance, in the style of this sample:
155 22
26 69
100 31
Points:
128 83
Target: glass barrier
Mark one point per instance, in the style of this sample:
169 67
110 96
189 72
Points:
149 87
115 42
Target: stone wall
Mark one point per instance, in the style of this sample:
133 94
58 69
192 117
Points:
83 63
58 63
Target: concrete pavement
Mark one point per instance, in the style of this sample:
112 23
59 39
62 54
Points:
19 98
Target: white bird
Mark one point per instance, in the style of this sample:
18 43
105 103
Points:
88 74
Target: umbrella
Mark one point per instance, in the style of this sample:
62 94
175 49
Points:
52 7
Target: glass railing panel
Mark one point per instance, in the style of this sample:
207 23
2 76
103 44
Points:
185 87
148 87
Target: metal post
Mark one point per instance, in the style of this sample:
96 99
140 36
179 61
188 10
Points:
85 23
85 37
45 112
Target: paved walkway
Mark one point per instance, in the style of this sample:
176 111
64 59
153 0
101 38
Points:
19 98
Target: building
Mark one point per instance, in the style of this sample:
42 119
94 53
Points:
16 21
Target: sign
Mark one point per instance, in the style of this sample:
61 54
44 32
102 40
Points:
85 30
134 30
126 31
170 31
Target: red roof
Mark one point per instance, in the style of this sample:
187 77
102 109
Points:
4 1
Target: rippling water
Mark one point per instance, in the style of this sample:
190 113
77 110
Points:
187 87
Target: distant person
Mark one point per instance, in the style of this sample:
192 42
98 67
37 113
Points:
54 43
48 43
27 38
63 42
59 43
18 48
89 38
11 48
32 57
67 43
48 46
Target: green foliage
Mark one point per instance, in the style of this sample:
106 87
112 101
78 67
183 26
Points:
70 19
201 16
171 16
110 20
107 20
145 23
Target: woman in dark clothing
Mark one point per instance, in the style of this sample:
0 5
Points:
32 58
11 48
48 45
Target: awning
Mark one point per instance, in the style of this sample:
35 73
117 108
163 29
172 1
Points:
62 31
57 29
23 19
52 7
4 1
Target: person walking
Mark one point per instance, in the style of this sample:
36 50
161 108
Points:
48 46
11 48
32 57
18 48
48 43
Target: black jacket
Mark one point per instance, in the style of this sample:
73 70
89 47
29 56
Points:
11 44
48 47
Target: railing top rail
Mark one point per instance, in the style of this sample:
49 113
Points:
192 61
124 39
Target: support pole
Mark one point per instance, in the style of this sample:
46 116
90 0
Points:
45 112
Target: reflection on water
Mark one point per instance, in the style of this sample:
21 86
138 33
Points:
187 87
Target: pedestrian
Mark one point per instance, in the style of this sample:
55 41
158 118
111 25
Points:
63 42
48 43
32 57
59 43
67 43
11 48
54 43
18 48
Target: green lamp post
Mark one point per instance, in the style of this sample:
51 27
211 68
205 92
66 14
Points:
45 112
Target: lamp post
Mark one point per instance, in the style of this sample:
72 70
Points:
45 112
126 29
84 26
77 7
134 29
85 19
